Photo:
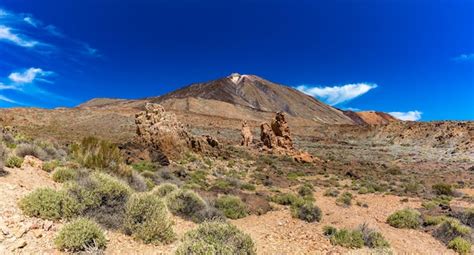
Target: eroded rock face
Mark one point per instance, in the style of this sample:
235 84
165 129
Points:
276 137
163 135
282 131
267 136
161 132
247 136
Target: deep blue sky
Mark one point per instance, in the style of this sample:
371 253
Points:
420 54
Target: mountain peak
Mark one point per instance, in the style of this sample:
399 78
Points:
236 78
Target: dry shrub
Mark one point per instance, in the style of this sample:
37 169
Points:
97 154
147 219
216 238
79 235
34 150
47 203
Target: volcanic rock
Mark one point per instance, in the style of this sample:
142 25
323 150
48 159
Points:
247 136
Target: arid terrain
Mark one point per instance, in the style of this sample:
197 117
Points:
308 168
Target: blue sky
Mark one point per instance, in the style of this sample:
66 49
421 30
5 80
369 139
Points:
412 58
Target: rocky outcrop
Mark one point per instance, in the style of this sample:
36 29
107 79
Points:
247 136
160 136
267 136
276 137
160 133
282 131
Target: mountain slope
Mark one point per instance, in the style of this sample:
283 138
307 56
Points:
249 96
370 117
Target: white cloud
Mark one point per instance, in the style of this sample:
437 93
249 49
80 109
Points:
410 115
337 94
31 21
465 57
6 99
7 35
28 75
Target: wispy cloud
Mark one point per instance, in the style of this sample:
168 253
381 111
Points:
464 57
337 94
26 31
29 75
25 40
410 115
8 100
6 34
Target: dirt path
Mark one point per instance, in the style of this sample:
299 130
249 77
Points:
274 233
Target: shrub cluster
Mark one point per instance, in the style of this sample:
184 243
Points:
216 238
147 219
450 229
231 206
50 204
34 150
164 189
63 174
14 161
285 199
102 197
406 218
345 199
363 236
460 245
79 235
186 203
307 211
443 189
97 154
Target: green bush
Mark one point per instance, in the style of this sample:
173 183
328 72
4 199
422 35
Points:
434 220
306 190
332 192
329 230
231 206
248 186
49 166
144 166
286 199
164 189
467 217
443 189
460 245
406 218
14 161
50 204
345 199
372 238
306 211
186 203
80 235
216 238
147 219
97 154
63 174
450 229
102 197
347 238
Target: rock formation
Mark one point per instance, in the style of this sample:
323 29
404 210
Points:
163 136
277 138
282 131
160 132
247 136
